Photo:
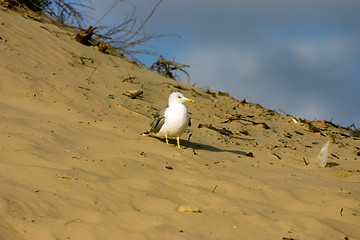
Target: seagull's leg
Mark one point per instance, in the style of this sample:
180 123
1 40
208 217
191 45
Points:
167 142
178 142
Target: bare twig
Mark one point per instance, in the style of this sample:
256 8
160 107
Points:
241 118
129 79
189 137
284 112
85 58
165 67
223 131
128 38
66 12
89 80
107 12
147 19
276 155
115 64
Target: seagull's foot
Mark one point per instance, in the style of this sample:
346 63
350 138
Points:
178 142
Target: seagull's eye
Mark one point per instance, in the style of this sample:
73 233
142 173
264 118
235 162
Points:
179 96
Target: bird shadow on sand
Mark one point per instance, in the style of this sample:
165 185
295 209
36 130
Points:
204 147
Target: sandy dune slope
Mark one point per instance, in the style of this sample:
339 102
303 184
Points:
75 165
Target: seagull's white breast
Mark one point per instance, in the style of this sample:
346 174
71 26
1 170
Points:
176 121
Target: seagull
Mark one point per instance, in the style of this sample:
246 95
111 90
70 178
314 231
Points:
173 120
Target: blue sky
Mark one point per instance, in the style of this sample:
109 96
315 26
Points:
299 56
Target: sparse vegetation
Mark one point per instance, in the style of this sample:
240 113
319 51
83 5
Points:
68 12
168 68
128 38
35 5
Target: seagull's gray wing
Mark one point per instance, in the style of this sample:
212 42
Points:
158 121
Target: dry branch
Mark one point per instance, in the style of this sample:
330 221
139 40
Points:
85 37
67 12
241 118
129 37
165 67
222 131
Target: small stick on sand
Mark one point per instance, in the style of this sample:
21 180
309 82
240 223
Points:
89 80
129 79
189 136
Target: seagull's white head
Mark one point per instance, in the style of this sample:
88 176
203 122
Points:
177 97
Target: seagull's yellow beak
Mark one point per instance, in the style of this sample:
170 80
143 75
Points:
189 100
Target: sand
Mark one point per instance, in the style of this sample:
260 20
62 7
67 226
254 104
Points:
75 165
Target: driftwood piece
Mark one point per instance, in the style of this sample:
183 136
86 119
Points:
85 37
